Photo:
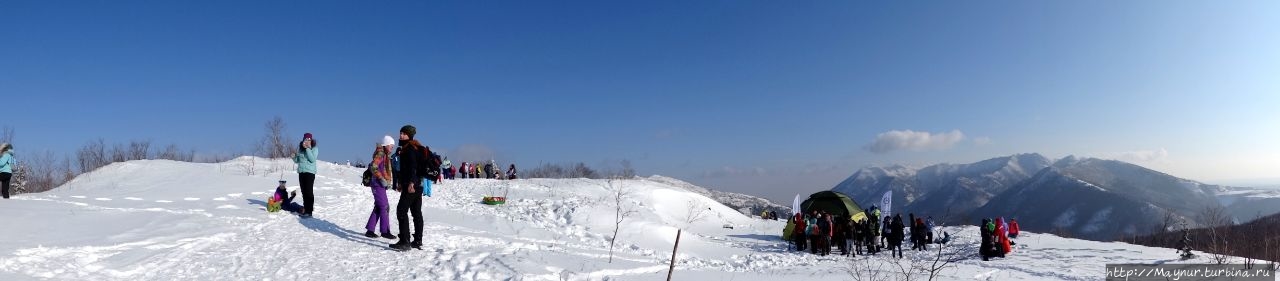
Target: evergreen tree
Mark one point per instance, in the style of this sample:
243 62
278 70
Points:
1185 249
19 183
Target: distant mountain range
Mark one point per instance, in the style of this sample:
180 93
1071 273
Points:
1085 197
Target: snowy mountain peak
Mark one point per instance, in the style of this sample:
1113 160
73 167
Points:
1066 161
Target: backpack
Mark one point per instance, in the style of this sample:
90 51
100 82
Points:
432 164
367 178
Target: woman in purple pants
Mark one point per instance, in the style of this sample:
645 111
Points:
380 168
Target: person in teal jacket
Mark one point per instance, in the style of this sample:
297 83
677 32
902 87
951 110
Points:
811 230
306 160
6 168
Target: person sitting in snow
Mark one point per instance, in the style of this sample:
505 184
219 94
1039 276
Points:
1013 228
285 199
511 173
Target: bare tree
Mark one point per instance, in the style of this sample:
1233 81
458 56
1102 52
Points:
275 143
171 152
1166 222
1273 255
622 207
42 174
908 268
1216 220
627 172
92 155
580 170
65 168
119 153
695 211
139 150
6 136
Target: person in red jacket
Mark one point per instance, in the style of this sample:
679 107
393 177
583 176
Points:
1003 237
797 233
1013 228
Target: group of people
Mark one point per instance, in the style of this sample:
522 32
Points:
996 237
768 215
478 171
410 169
873 232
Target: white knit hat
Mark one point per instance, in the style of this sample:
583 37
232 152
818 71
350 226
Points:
388 141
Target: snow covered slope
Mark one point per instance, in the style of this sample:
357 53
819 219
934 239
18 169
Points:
165 220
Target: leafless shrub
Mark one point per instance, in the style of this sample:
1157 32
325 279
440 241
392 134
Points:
578 170
866 268
623 209
1216 220
695 211
139 150
947 254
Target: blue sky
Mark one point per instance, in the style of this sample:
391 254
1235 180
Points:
764 97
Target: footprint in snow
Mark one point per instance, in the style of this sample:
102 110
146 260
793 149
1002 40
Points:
228 207
133 198
235 194
191 199
102 199
258 193
77 197
163 201
220 199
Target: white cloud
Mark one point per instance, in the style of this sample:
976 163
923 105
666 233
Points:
981 140
1148 156
912 140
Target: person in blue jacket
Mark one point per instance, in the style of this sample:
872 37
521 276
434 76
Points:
6 168
306 160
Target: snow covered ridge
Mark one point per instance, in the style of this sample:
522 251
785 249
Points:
747 204
1112 198
166 220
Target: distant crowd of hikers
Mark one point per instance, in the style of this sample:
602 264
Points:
872 232
477 171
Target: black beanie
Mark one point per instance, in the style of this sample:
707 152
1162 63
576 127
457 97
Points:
409 130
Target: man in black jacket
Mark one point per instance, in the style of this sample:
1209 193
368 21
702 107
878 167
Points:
409 183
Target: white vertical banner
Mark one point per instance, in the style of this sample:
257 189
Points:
795 205
886 202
